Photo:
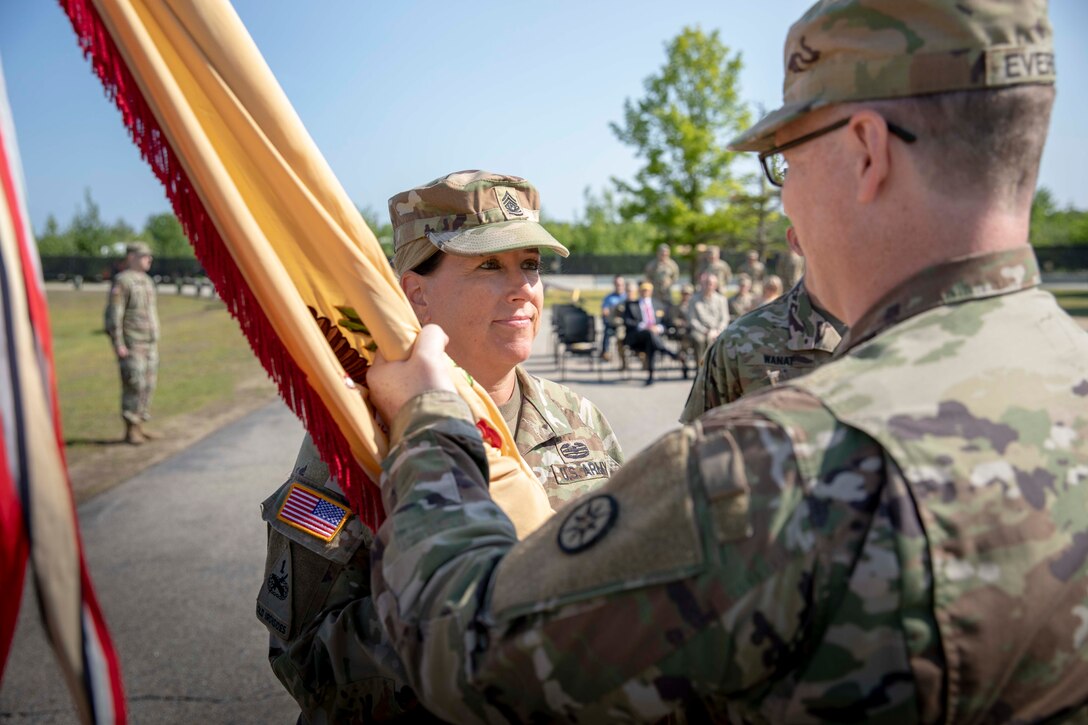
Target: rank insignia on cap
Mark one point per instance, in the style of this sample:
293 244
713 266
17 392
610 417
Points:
588 523
511 208
316 514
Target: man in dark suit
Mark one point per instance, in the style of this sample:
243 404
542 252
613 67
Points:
644 329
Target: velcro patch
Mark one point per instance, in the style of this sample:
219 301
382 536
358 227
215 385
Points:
314 513
1019 65
508 202
581 471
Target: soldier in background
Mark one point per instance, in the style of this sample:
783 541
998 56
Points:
744 300
716 266
132 322
782 340
791 263
755 269
897 536
662 272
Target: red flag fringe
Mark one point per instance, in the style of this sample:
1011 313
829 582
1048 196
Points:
109 65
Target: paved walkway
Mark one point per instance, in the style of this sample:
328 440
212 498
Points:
177 554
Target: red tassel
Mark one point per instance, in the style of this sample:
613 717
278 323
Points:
109 65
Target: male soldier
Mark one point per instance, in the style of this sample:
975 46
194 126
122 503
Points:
755 270
132 322
326 643
898 536
784 339
791 264
744 300
662 272
717 266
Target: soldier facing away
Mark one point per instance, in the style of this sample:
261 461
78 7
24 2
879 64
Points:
132 322
898 536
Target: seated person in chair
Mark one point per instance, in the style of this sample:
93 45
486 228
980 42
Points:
644 327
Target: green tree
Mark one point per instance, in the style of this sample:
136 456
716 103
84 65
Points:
89 234
680 129
1054 227
52 242
379 224
601 229
166 236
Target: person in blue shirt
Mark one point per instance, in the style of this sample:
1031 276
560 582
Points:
611 308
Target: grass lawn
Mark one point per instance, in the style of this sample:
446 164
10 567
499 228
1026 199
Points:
203 360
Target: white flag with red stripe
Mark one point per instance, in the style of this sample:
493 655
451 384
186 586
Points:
37 511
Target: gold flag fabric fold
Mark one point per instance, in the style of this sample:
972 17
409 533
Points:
286 248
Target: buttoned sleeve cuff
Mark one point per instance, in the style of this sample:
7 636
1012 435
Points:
425 410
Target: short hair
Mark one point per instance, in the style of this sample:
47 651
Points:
978 142
429 264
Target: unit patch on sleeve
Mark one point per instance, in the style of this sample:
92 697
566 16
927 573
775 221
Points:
307 510
587 523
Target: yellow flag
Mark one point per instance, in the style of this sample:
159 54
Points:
276 233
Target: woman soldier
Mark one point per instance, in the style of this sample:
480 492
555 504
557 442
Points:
467 251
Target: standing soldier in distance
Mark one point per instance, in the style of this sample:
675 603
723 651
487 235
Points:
755 269
662 272
717 266
898 536
132 322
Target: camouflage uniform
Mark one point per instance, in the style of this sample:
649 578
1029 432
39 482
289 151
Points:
327 647
741 304
132 320
663 274
786 338
756 270
897 537
721 270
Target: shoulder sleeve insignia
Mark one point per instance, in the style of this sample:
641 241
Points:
314 513
588 523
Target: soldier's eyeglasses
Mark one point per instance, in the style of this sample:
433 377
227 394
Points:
774 162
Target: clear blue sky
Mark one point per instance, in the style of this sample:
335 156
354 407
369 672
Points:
397 93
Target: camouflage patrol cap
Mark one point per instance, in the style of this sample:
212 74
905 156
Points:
467 213
138 248
862 50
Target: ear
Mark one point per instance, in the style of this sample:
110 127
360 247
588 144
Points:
791 239
415 289
868 139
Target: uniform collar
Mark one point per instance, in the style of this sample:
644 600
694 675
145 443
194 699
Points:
541 420
974 277
810 327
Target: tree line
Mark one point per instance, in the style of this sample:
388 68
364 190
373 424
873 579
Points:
690 190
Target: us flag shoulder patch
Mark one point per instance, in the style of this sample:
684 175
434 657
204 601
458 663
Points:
309 511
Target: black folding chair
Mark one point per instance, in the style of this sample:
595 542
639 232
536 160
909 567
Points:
577 334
